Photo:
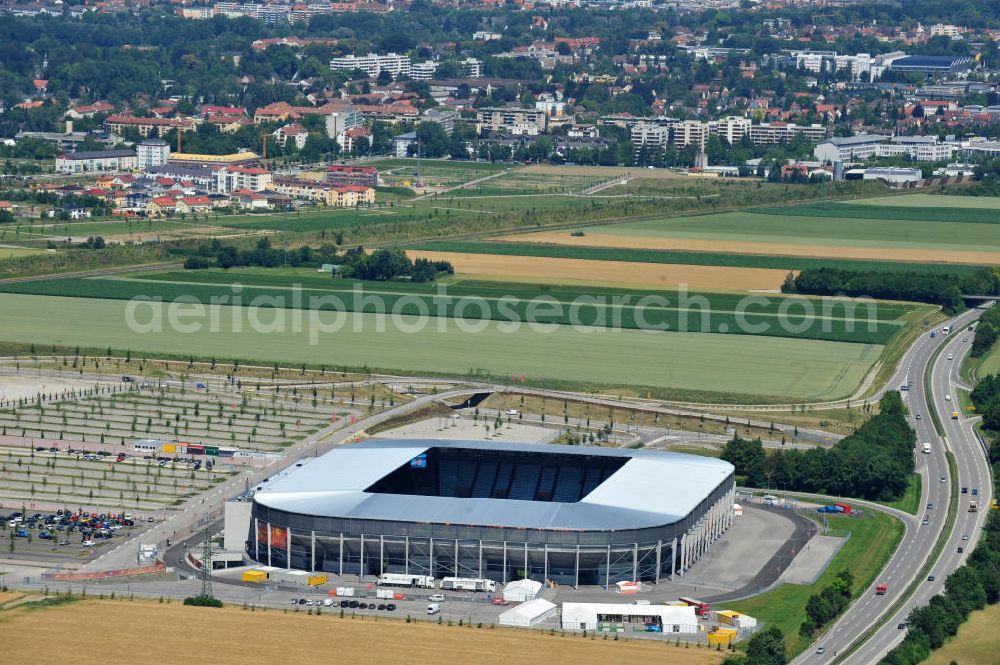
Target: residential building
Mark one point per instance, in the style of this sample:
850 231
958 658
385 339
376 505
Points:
151 152
148 126
349 174
649 136
359 138
234 178
423 71
690 132
373 65
484 36
944 30
772 133
472 68
732 129
293 132
323 192
444 117
96 161
338 122
401 144
493 119
89 110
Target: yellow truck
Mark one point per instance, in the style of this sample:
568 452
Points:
954 415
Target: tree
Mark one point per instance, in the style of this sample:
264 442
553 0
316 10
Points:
766 648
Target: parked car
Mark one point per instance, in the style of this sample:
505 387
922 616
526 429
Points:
88 543
437 598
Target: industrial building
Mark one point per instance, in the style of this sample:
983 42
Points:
501 511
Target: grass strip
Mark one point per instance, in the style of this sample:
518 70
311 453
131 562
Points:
929 394
887 212
721 259
910 501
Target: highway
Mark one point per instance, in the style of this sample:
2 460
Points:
919 539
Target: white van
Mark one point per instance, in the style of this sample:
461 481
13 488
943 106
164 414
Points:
927 448
434 608
946 330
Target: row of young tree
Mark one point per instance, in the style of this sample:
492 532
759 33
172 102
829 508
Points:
971 587
944 289
875 462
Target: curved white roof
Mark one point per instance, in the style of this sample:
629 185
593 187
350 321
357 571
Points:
651 489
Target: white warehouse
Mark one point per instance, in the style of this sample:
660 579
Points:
615 616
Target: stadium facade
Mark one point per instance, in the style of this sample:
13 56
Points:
503 511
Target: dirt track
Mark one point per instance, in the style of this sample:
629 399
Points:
601 171
609 273
149 633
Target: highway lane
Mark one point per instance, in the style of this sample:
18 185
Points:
916 544
973 473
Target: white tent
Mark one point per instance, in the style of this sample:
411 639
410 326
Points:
529 614
520 591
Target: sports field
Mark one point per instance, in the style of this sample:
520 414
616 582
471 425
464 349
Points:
151 633
726 366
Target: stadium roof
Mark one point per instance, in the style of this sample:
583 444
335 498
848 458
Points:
649 489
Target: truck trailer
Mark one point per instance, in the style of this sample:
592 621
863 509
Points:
407 580
468 584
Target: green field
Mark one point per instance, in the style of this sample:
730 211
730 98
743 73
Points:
683 364
9 252
682 257
873 539
113 227
829 320
934 201
898 213
807 230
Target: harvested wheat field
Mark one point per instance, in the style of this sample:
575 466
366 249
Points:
601 171
606 273
154 634
593 239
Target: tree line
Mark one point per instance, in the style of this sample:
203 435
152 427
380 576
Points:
987 332
381 265
971 587
218 255
387 264
875 462
943 289
828 604
986 398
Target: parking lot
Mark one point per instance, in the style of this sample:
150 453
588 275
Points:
101 481
64 534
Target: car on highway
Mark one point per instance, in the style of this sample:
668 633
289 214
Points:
951 356
925 521
965 536
965 490
901 626
961 549
437 598
821 649
975 491
930 578
947 398
943 480
930 506
917 416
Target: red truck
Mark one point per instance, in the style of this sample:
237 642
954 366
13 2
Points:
701 609
844 508
881 589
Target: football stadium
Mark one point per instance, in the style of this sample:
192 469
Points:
503 511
